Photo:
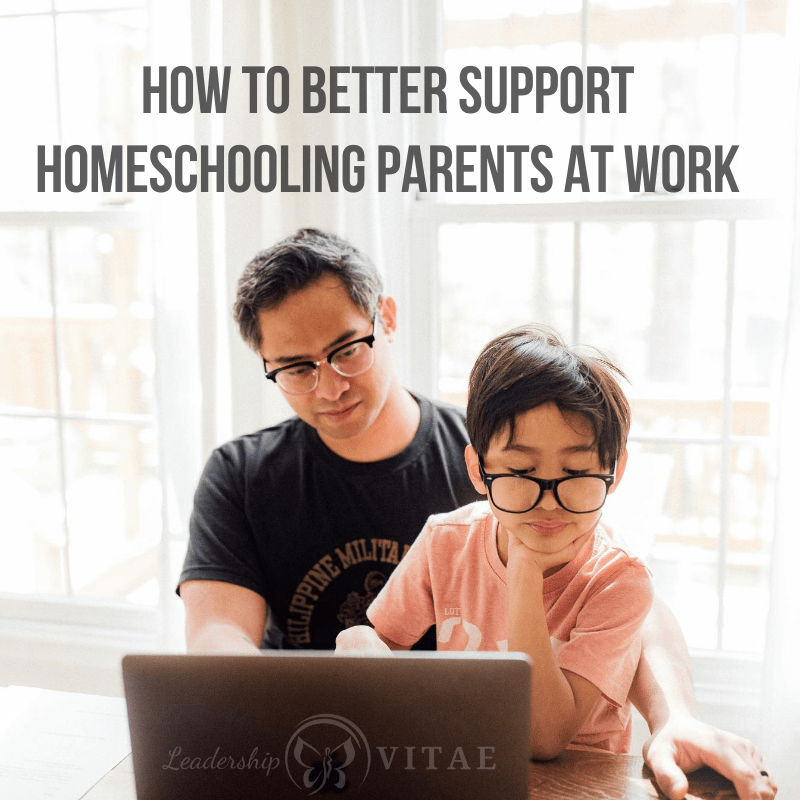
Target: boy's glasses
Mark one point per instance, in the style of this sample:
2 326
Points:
578 494
348 360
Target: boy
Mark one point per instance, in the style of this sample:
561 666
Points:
533 570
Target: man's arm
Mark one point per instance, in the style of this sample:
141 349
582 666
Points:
223 617
679 742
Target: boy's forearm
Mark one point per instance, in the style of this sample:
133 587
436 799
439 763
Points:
662 686
552 701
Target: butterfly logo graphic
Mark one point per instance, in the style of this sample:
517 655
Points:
338 744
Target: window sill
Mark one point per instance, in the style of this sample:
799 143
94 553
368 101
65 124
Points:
72 646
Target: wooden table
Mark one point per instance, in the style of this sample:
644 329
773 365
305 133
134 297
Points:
581 775
575 775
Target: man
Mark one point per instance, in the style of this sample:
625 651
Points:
295 528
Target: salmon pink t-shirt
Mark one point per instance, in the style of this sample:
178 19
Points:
594 606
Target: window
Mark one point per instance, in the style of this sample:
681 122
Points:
79 447
687 291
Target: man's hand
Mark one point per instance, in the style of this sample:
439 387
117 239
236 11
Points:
686 744
361 639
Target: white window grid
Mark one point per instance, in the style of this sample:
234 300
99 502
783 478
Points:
428 216
68 607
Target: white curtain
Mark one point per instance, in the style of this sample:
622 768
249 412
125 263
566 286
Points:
780 731
173 254
346 32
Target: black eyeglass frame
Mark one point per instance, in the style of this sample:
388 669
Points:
551 484
368 340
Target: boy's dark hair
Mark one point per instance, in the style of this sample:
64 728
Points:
531 365
296 262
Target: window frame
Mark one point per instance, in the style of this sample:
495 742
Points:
727 683
59 630
427 217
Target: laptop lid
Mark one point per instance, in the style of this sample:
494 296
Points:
288 725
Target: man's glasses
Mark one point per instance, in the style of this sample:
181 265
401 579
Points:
578 494
348 360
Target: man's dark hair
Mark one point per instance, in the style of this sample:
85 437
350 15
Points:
531 365
295 263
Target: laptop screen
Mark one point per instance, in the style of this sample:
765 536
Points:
282 724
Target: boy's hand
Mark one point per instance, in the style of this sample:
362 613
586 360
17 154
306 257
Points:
520 555
361 639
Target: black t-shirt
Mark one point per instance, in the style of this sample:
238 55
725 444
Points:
315 534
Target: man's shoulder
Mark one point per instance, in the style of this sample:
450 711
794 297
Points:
445 420
287 438
444 409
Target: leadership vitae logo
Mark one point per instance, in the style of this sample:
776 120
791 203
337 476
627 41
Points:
326 753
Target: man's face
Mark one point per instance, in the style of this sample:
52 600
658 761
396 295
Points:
306 326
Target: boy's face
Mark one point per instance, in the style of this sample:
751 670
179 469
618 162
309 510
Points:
547 444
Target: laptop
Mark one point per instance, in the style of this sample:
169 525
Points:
288 725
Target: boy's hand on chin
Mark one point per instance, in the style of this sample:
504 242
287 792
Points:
520 556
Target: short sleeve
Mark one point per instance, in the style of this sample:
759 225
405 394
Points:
403 610
605 644
221 539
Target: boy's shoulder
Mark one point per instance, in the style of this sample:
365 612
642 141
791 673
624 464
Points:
611 551
464 517
458 537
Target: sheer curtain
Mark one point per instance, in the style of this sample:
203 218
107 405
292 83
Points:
348 32
780 735
173 253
